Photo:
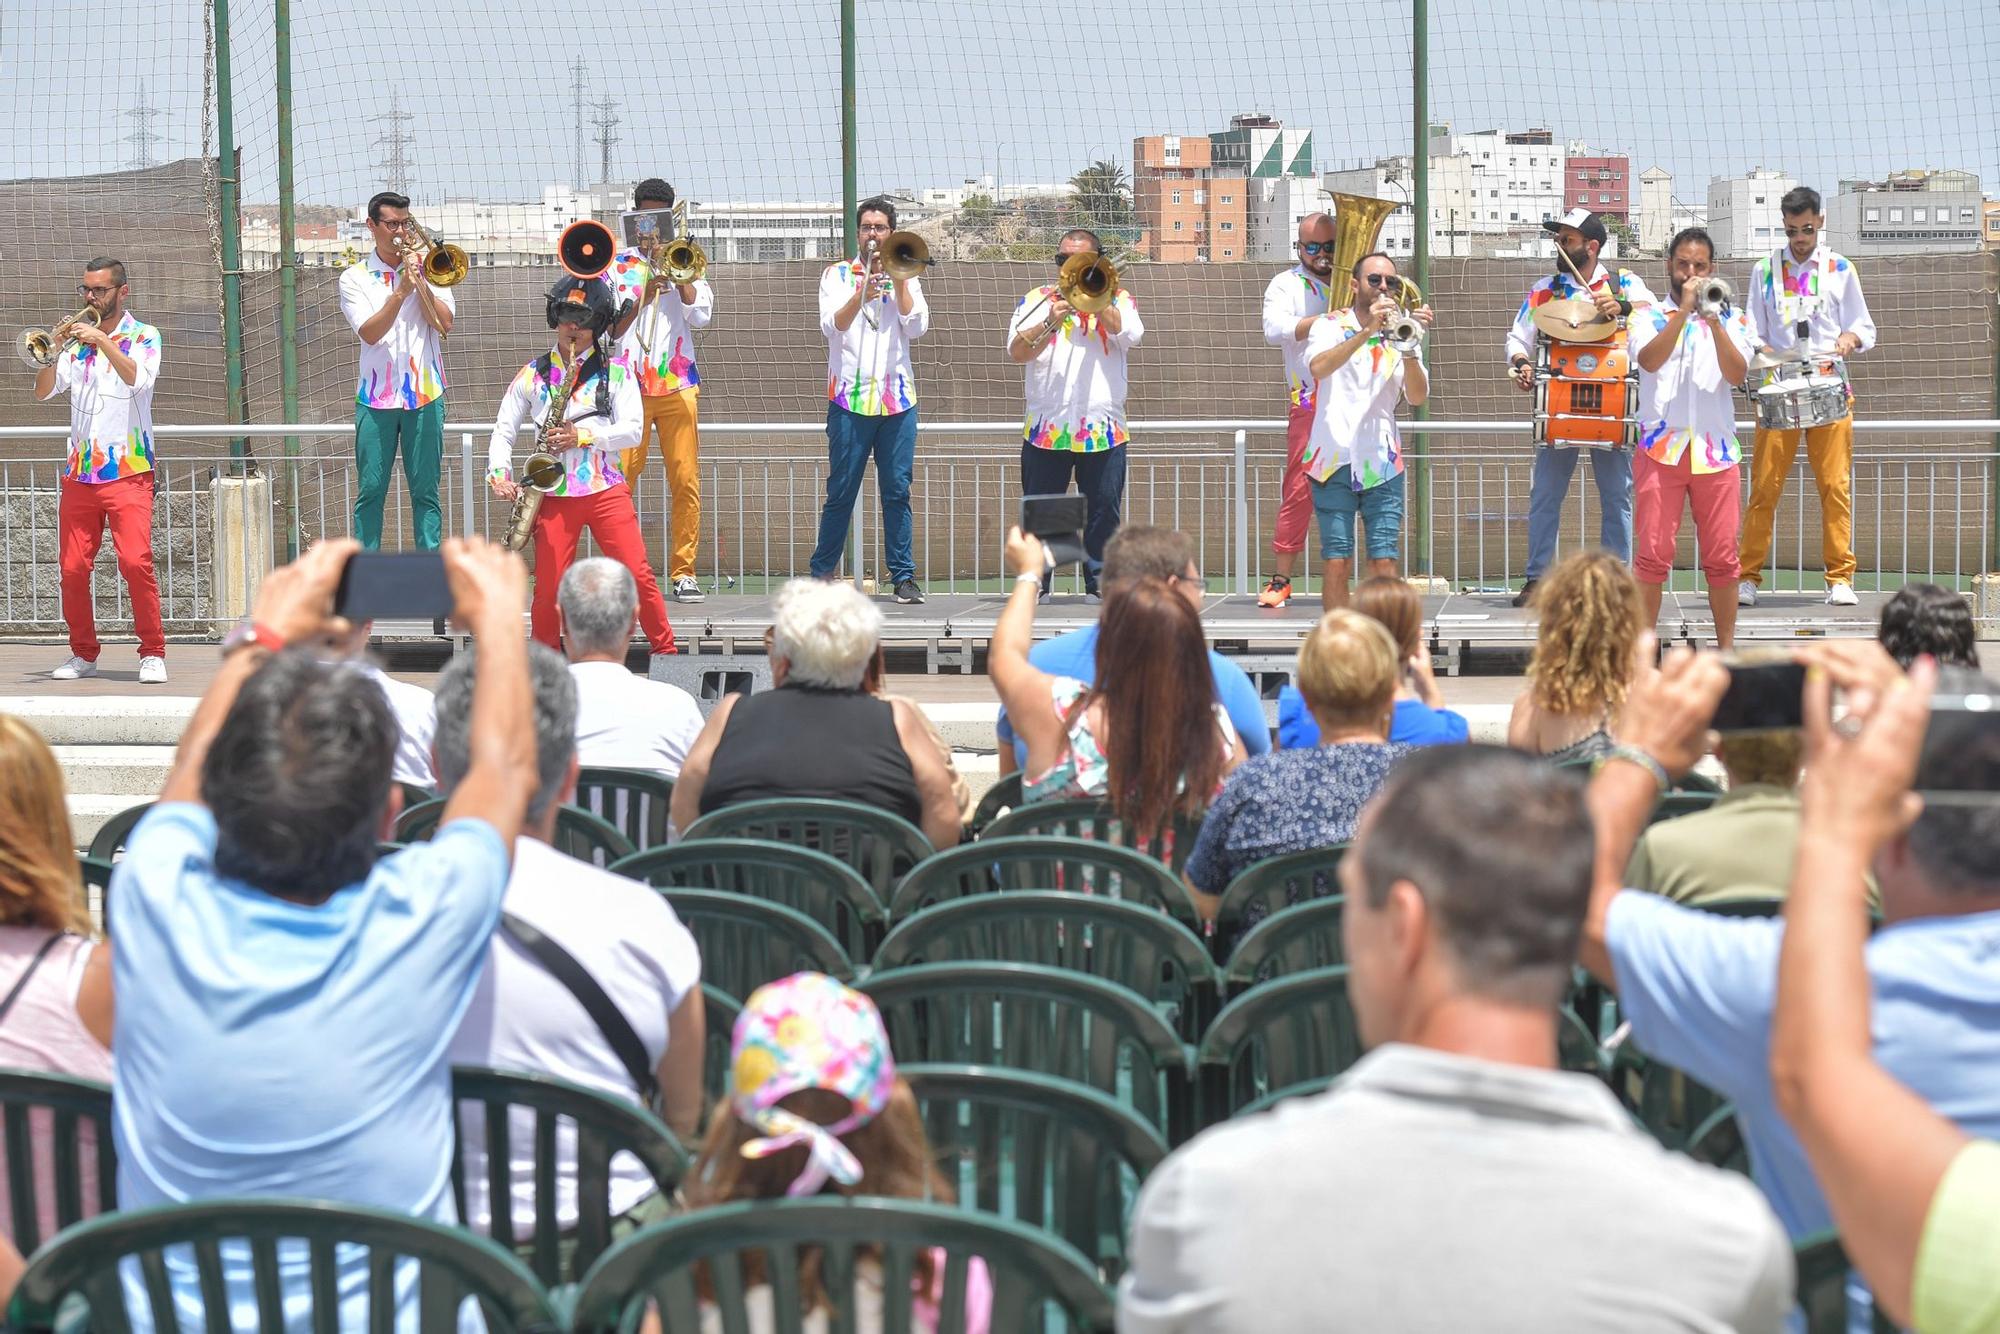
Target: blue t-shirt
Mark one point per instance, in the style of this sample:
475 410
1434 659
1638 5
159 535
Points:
1075 655
1287 801
1699 990
1415 724
273 1048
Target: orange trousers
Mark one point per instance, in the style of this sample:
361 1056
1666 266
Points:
1830 454
673 418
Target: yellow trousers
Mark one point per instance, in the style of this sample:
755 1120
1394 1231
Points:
673 418
1830 454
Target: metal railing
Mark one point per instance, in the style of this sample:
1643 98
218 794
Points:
1919 512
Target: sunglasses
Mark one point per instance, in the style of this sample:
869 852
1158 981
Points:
1379 279
1316 247
1802 231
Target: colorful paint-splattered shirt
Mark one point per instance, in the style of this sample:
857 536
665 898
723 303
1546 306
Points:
1291 297
660 343
1560 286
1354 414
605 410
1686 407
405 369
1823 293
1076 383
868 365
110 422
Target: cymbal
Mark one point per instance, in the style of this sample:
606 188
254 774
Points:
1573 320
1767 361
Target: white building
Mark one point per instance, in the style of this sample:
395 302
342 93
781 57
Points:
946 198
1743 213
1387 179
1656 209
1515 178
1276 207
1910 213
1275 161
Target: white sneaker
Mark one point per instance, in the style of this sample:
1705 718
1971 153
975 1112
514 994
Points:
1841 595
687 590
74 670
152 671
1746 594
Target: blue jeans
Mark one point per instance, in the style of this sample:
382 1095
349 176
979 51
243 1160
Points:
1100 480
850 439
1612 470
1380 507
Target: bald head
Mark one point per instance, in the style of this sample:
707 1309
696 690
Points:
1316 230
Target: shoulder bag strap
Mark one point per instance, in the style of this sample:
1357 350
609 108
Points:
617 1030
33 964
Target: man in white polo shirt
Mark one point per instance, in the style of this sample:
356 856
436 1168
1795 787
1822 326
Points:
623 720
402 321
1075 384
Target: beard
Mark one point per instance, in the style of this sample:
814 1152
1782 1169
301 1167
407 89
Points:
1579 258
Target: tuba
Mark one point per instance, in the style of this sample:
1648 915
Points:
445 265
40 347
1357 225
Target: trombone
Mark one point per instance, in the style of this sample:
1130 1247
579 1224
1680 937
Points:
680 260
445 265
1087 280
39 348
903 255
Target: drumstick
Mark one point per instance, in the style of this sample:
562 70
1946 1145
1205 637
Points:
1563 255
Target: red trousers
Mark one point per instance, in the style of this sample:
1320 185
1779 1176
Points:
82 513
1295 501
612 521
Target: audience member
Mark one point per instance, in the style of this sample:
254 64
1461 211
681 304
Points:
1454 1179
1297 800
1916 1200
876 682
286 999
1140 551
621 935
1421 719
815 1106
623 720
1925 619
1741 847
818 733
410 705
55 982
1590 622
1147 734
1698 989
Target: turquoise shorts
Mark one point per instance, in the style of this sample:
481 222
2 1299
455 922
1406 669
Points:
1380 509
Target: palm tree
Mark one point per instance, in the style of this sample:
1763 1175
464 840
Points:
1102 196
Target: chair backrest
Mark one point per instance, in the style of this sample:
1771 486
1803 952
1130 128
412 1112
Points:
61 1168
1292 1030
1030 1270
1292 940
830 892
1824 1279
558 1129
747 942
719 1011
578 834
1675 804
1028 1017
232 1257
881 845
1003 796
1670 1104
414 795
417 823
1047 1152
1132 945
1747 905
995 864
97 890
634 801
1273 885
1091 818
110 838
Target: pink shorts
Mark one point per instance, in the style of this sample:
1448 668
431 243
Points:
1659 493
1295 502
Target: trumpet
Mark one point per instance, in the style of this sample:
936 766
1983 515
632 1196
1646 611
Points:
40 347
445 265
1405 332
1713 297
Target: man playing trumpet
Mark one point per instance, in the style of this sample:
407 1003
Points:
656 339
402 320
601 418
107 362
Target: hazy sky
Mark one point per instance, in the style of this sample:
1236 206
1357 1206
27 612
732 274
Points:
749 110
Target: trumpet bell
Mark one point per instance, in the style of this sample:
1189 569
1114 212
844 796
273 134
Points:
446 265
35 347
1089 282
905 255
683 261
1404 333
584 249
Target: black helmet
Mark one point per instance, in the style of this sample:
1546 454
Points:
586 301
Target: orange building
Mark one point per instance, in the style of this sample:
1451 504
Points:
1186 213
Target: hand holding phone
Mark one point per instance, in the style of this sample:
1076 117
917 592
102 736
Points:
393 585
296 600
1762 697
1058 521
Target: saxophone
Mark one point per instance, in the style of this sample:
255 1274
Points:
543 471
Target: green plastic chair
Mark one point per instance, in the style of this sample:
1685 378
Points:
97 890
995 864
747 942
633 801
882 846
1823 1274
1135 946
1046 1152
830 892
1272 1099
68 1121
538 1110
419 822
1271 886
111 835
719 1011
1748 905
414 794
1091 818
451 1266
1003 796
1028 1017
1673 1107
1291 940
1031 1271
1284 1033
579 834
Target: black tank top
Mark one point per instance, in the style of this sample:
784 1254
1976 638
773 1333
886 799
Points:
800 741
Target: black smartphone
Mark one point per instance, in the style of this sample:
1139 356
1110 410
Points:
1961 747
393 586
1058 521
1762 697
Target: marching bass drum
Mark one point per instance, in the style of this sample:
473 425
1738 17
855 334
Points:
1586 394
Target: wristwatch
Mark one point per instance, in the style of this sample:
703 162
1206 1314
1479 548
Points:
247 633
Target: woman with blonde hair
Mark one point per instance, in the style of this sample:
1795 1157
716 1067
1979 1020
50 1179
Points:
1421 719
1591 620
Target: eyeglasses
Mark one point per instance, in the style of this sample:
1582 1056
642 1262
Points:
1199 581
392 224
1802 231
1316 247
90 293
1379 279
875 227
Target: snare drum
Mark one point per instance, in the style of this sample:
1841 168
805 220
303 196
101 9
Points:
1586 394
1800 395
